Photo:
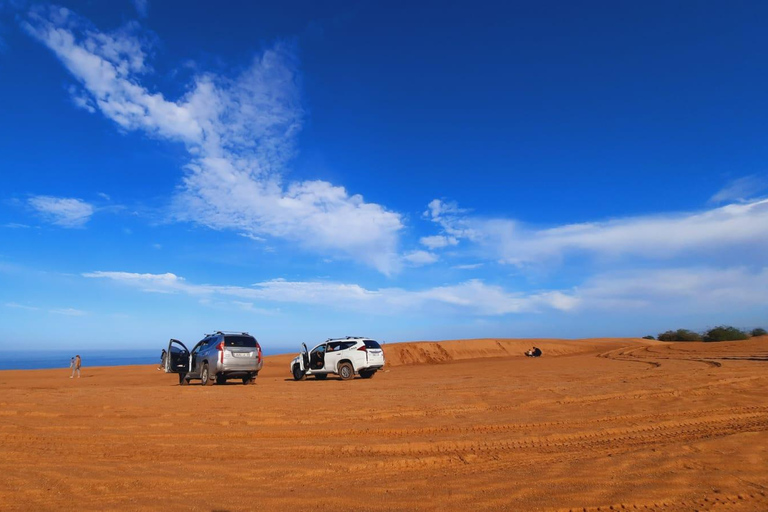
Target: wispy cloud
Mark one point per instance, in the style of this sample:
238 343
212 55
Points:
62 211
438 241
240 133
16 225
468 266
741 189
20 306
69 312
251 308
419 258
471 297
674 291
678 290
727 228
142 7
56 311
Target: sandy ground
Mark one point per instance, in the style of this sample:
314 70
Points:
461 425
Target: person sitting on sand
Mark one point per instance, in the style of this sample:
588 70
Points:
533 352
76 367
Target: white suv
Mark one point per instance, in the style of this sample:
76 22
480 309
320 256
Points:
344 357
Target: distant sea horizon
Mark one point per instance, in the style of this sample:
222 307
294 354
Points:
59 358
48 359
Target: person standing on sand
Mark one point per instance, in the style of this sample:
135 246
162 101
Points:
163 355
76 367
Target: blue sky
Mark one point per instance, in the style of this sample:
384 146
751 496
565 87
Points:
403 171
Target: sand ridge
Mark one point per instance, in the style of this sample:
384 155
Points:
459 425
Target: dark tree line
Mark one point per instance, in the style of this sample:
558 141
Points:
719 333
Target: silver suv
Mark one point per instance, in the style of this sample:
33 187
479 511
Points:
216 358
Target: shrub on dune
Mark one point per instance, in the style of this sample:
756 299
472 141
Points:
725 333
758 332
679 335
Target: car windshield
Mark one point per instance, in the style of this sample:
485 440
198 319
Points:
240 341
372 344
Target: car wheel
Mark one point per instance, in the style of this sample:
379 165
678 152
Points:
367 374
321 376
220 379
205 376
297 373
251 379
183 379
346 372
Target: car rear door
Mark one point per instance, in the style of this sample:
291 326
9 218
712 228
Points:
374 353
240 352
332 357
196 358
317 358
177 358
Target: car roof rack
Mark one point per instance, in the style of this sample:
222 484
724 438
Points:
348 338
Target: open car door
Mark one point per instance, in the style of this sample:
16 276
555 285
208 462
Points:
304 357
177 358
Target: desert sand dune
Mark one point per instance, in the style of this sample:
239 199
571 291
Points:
614 424
457 350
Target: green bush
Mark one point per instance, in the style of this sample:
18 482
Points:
758 332
725 333
649 337
679 335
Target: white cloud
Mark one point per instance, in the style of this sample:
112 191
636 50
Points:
142 6
15 225
69 312
251 308
20 306
438 241
240 134
678 290
741 189
62 211
418 258
471 297
468 266
719 230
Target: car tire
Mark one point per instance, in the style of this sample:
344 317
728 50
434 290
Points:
220 379
346 371
367 374
183 379
321 376
251 379
297 373
205 376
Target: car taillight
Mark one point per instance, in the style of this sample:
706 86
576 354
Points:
258 348
220 348
363 349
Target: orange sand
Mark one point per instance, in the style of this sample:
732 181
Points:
460 425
